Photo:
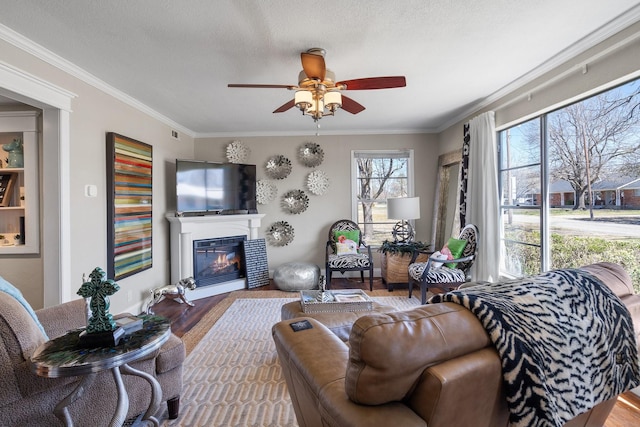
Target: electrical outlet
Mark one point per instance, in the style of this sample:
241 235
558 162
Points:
174 134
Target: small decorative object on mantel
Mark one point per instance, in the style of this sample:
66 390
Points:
176 291
311 155
237 152
280 233
295 201
266 191
278 167
318 182
102 330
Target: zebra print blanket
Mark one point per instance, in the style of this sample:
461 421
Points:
565 340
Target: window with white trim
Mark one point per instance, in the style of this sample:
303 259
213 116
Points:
562 179
376 176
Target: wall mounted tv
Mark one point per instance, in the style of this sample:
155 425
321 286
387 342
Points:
208 188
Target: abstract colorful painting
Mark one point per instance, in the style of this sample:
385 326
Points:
129 199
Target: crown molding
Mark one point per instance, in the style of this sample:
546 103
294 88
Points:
21 42
322 132
23 86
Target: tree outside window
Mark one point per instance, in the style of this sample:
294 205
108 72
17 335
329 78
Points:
379 175
578 206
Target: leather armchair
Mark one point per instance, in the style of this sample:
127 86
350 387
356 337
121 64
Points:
430 366
28 400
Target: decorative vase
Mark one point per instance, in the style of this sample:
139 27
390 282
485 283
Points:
16 153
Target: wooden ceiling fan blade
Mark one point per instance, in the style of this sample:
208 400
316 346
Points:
260 86
313 65
351 106
285 107
374 83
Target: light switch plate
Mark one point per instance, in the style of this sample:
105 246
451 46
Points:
90 190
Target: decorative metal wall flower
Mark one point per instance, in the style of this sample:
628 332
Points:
280 233
278 167
317 182
266 191
295 201
310 154
237 152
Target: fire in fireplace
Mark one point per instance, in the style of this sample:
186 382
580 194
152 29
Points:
218 260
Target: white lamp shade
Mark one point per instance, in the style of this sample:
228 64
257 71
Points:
403 208
316 105
333 98
303 96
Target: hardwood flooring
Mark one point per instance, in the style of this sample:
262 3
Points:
626 413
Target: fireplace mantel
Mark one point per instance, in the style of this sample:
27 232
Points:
185 229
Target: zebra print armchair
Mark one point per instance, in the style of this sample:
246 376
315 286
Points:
427 275
361 260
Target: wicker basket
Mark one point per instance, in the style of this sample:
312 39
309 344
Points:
395 267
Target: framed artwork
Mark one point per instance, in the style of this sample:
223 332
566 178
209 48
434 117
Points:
129 206
6 188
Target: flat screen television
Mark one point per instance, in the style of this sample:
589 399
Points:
206 187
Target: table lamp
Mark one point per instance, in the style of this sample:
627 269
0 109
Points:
404 209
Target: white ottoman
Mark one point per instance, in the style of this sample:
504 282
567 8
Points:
296 276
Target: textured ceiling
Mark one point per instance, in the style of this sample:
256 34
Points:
177 57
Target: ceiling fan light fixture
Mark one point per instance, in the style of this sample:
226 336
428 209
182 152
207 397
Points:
316 108
303 99
333 100
318 94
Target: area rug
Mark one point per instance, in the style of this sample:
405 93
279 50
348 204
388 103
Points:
231 375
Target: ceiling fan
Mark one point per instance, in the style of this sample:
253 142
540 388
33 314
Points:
318 94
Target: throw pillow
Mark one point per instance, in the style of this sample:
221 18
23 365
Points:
454 249
15 293
439 256
346 241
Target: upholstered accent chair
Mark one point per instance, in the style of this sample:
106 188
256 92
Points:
346 251
29 400
444 274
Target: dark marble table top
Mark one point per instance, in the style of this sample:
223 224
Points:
64 356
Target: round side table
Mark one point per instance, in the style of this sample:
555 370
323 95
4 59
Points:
64 357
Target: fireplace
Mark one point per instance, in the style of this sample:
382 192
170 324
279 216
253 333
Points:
218 260
187 230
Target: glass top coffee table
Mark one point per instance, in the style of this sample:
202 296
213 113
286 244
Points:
65 357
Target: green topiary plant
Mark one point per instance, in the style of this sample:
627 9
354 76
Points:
388 247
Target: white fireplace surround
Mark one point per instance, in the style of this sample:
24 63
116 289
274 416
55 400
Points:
185 229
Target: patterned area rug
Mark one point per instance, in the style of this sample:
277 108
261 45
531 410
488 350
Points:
231 375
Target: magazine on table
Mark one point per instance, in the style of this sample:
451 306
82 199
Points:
349 297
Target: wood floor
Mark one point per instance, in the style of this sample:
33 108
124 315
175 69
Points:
626 413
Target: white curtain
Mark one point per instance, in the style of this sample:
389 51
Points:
482 195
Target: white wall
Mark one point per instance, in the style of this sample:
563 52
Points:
311 227
94 114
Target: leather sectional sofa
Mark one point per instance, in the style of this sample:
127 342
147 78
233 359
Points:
455 379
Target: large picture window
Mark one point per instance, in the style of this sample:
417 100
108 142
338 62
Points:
569 181
378 175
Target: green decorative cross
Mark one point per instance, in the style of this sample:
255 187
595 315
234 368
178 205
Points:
99 290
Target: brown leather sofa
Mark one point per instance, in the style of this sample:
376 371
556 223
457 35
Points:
29 400
430 366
